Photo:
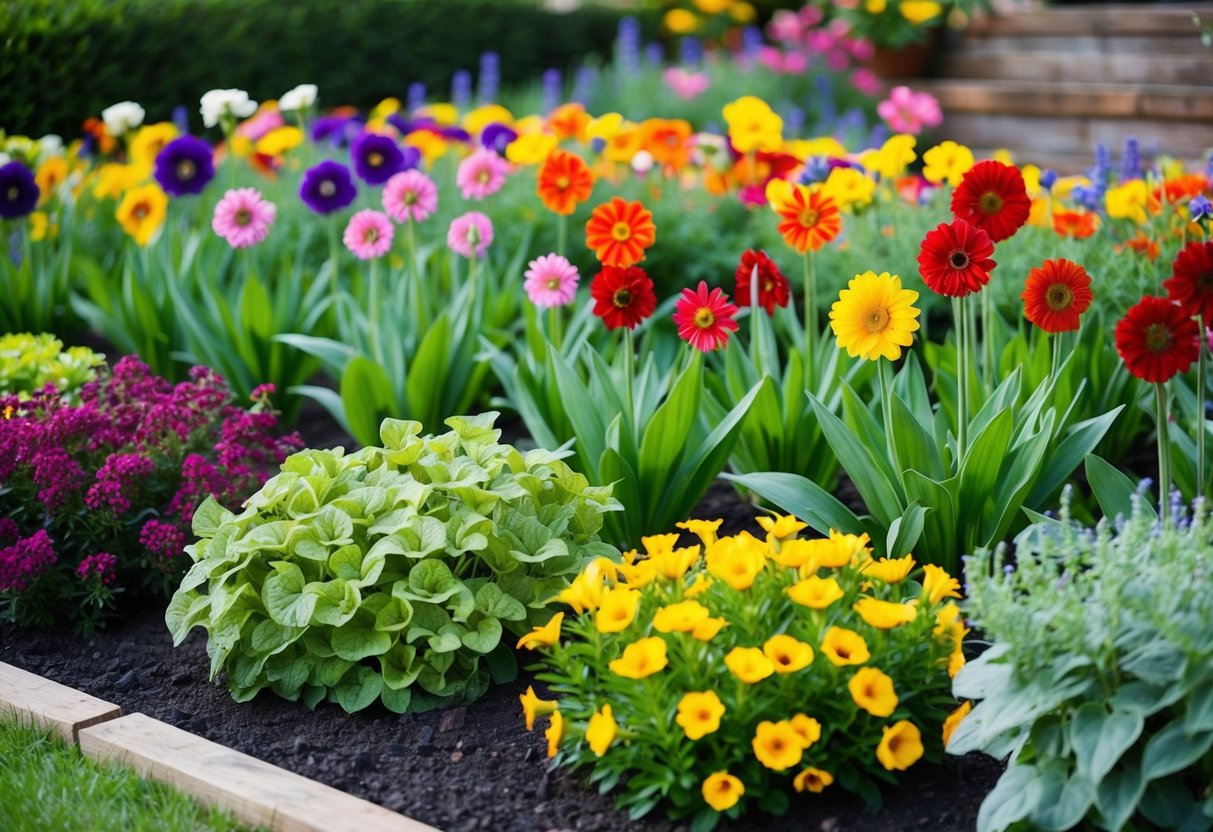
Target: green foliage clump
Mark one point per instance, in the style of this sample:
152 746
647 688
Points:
30 362
391 573
1100 681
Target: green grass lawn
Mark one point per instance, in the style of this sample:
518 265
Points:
46 784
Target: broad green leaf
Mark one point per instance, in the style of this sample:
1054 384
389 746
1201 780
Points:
1112 489
284 598
1172 749
802 498
360 687
1100 738
485 637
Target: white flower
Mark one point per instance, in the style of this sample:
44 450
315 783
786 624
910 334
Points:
642 162
300 98
4 158
122 117
218 104
50 145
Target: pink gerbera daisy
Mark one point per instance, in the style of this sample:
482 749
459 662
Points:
470 234
369 234
482 174
906 111
551 281
704 318
243 217
410 196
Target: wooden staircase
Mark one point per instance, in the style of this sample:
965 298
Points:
1049 84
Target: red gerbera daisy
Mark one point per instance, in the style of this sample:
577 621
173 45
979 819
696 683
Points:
623 297
772 285
993 197
1056 294
1157 339
1191 281
705 319
955 259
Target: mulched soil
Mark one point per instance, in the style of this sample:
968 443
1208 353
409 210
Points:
460 769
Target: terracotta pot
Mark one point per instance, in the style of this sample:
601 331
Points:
909 61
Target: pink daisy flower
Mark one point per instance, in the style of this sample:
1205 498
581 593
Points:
369 234
482 174
470 234
551 281
243 217
705 318
906 111
410 196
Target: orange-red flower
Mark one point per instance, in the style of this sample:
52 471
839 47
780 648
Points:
810 220
1076 224
565 181
569 121
705 318
1056 294
1182 188
619 232
1141 244
1157 339
993 197
1191 280
668 140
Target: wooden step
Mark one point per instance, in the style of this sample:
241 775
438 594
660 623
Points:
1099 21
1075 135
1162 101
1188 45
1093 68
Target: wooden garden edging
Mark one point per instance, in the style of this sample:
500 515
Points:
256 792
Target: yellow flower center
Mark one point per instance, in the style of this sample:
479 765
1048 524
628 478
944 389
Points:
328 187
410 198
621 231
622 299
959 259
370 235
375 159
809 218
186 170
704 319
1059 297
990 202
13 193
243 217
876 320
483 177
553 283
563 182
1158 338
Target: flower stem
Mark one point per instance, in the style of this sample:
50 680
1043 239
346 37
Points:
554 326
1164 451
414 275
886 408
1200 409
755 350
334 251
562 233
987 342
960 317
629 354
1056 363
810 322
373 301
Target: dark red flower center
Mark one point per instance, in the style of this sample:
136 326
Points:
1059 297
186 170
1204 281
1158 338
990 202
959 259
141 210
622 298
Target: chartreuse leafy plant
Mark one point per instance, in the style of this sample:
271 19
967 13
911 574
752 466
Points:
721 676
392 573
1099 685
30 362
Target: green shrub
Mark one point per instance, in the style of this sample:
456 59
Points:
1100 681
390 573
30 362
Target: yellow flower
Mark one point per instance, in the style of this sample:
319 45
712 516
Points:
699 714
441 112
894 155
680 21
279 140
481 117
787 654
919 12
712 6
41 227
585 592
616 609
815 593
698 586
793 553
1003 155
673 564
431 145
1031 178
554 733
947 162
601 730
874 317
142 212
604 127
705 530
742 12
900 746
722 790
808 728
833 552
884 615
1128 201
842 647
873 691
531 148
50 176
777 745
875 6
848 188
737 560
112 179
533 706
812 780
753 125
748 664
938 584
889 570
707 629
544 636
641 658
655 544
781 526
953 721
149 141
956 661
682 617
638 574
9 410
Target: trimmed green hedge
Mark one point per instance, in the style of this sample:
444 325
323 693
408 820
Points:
63 60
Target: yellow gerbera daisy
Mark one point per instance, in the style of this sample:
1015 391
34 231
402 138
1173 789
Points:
874 317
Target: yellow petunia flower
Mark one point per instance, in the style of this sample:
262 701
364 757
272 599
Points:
815 593
748 664
781 526
616 609
673 564
919 12
682 617
533 706
149 141
638 574
794 554
655 544
953 721
900 746
849 188
279 140
888 570
873 691
531 148
874 317
812 780
737 560
753 125
787 654
777 745
937 584
843 647
544 636
707 629
947 162
884 615
142 212
601 730
641 658
481 117
705 530
699 714
808 728
554 733
722 790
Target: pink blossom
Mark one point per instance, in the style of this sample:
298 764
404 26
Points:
470 234
410 196
686 85
753 196
260 124
865 81
482 174
369 234
810 15
25 560
906 111
784 26
100 565
243 217
551 280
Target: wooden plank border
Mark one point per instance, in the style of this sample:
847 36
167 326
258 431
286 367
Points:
47 704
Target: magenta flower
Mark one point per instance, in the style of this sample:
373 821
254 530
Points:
470 234
100 565
369 234
684 84
482 174
906 111
865 81
551 280
243 217
410 196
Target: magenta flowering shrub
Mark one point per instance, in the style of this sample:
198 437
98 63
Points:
96 498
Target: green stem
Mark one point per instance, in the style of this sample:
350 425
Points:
629 382
414 276
886 408
754 345
1200 409
334 253
960 317
1164 451
1056 363
810 322
987 342
554 326
562 233
373 301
